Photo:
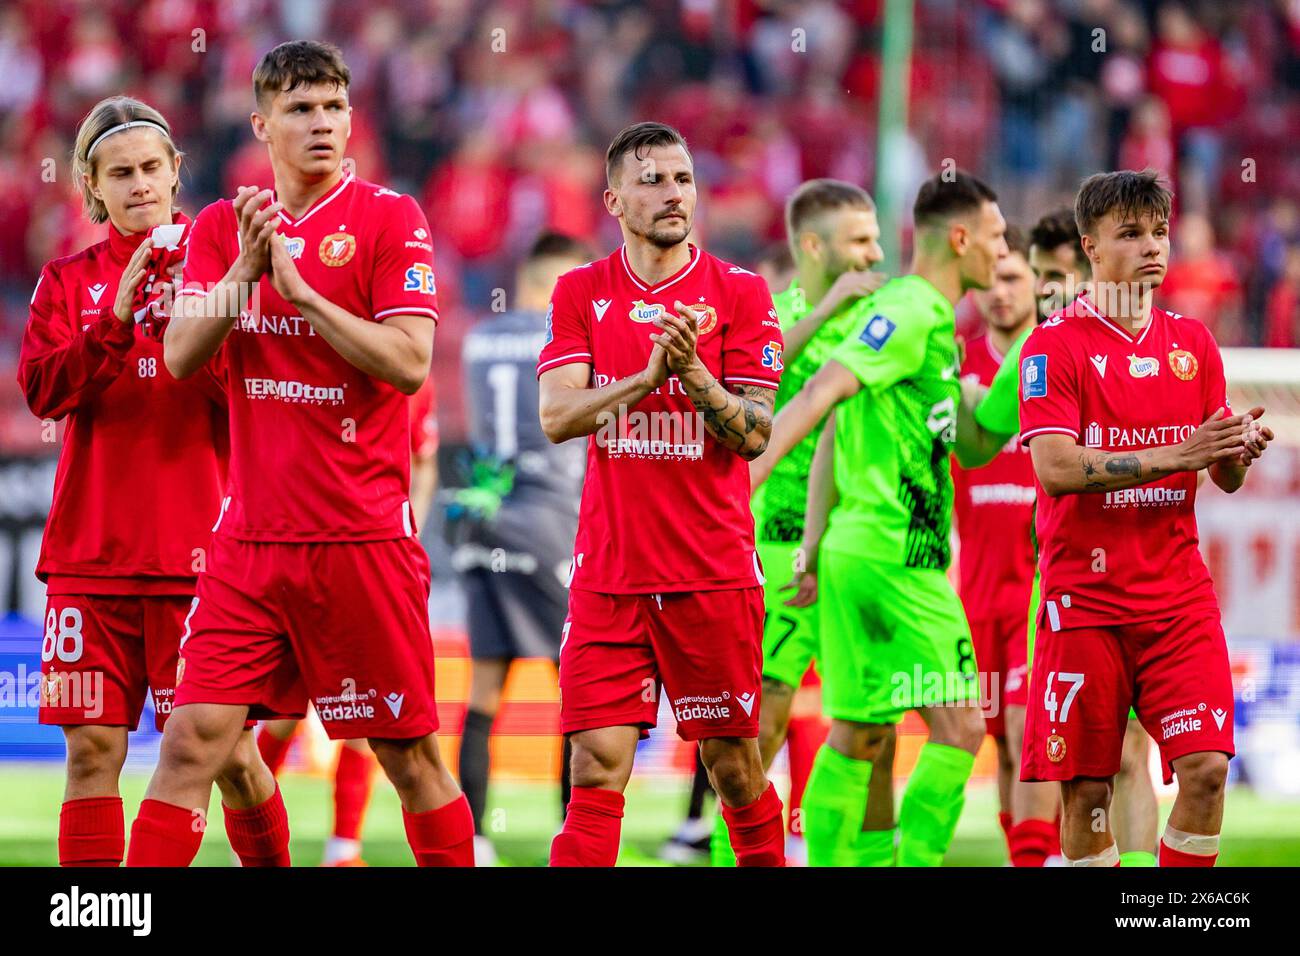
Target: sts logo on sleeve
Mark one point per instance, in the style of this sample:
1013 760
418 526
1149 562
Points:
772 356
1033 376
419 278
877 332
550 327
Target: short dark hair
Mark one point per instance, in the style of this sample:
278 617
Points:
817 196
637 138
1016 241
1125 193
947 194
298 63
777 255
550 245
1056 229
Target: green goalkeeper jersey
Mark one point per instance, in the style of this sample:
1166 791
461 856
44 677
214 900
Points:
779 504
999 410
893 438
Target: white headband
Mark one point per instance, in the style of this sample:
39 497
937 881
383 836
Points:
124 126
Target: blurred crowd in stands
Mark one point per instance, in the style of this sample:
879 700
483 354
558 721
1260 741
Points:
496 113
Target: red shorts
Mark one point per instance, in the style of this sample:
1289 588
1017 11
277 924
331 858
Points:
1001 651
705 648
1173 672
101 654
346 624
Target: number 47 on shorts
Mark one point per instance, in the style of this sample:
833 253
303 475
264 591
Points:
1049 694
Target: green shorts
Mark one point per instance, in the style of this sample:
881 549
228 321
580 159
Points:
1035 597
789 633
893 639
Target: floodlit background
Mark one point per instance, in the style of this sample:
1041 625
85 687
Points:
496 116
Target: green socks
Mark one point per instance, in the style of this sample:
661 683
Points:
931 804
875 848
1137 858
834 806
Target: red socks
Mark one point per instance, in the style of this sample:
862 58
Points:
1031 842
352 780
591 829
757 831
442 837
260 834
164 835
273 749
92 832
1171 857
1005 821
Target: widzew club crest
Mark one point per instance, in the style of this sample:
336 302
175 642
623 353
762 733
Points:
337 249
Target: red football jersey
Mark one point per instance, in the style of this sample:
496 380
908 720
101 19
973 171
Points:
140 473
1130 555
320 451
424 421
665 507
994 506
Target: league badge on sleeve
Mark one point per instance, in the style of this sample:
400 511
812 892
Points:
1033 376
877 332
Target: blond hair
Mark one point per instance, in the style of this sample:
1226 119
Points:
102 117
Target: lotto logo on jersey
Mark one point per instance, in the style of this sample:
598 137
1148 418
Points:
1033 376
337 249
419 278
295 245
643 313
1140 367
877 332
772 356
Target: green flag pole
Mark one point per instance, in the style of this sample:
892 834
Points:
895 86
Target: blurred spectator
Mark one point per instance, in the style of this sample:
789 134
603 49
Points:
1201 282
1282 313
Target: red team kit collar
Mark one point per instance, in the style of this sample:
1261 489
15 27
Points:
677 276
1123 333
319 203
122 245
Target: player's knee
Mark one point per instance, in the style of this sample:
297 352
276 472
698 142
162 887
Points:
968 730
593 765
1133 758
737 780
1082 797
239 776
402 761
95 753
1203 776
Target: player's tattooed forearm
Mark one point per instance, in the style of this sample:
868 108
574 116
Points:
1127 466
740 419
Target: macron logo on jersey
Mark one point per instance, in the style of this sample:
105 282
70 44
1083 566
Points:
600 307
877 332
96 291
1033 376
1099 363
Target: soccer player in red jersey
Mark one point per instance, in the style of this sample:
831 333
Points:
670 359
316 585
354 771
1122 404
138 484
994 510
